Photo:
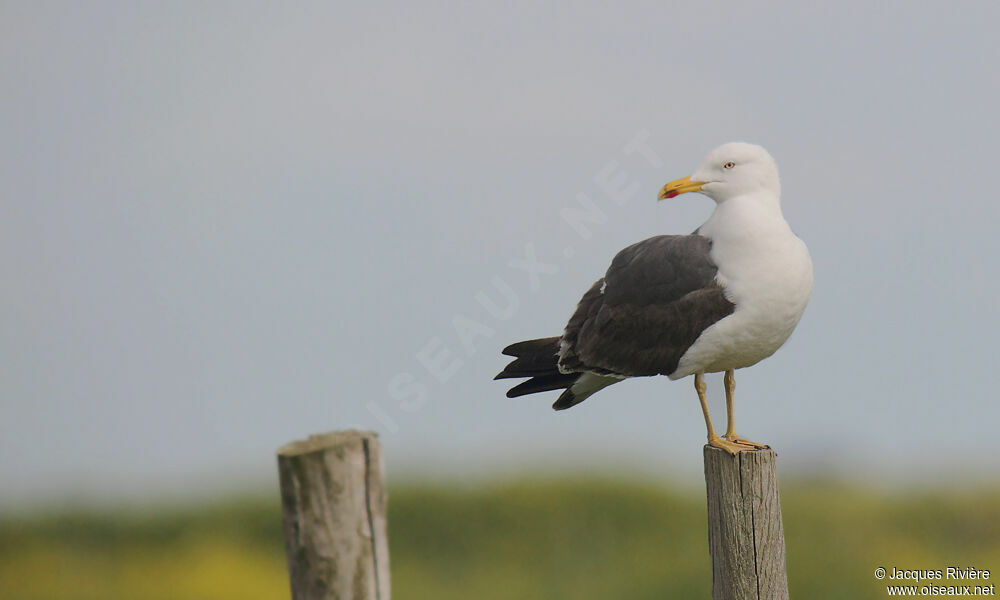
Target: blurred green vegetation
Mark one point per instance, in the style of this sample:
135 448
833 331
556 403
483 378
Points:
527 540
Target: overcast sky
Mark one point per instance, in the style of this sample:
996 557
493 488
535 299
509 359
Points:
226 226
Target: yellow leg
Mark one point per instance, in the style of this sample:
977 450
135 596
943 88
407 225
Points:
731 447
730 384
730 381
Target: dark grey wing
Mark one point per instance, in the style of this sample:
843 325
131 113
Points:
652 304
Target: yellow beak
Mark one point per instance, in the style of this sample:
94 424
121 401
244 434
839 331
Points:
681 186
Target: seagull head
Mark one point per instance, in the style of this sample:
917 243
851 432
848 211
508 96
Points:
731 170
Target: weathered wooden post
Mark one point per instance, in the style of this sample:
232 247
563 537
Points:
333 502
745 537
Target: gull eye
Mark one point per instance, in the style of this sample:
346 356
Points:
729 165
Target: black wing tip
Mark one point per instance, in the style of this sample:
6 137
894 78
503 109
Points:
566 400
521 390
518 348
532 358
515 349
543 383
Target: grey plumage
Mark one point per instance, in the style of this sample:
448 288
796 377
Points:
656 298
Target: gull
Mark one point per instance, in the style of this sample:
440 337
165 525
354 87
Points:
722 298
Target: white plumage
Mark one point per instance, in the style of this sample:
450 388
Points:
764 268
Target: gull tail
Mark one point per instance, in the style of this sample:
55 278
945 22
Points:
539 361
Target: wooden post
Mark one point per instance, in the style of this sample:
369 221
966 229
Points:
333 503
745 537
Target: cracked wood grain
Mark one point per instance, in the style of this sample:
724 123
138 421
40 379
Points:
745 536
333 501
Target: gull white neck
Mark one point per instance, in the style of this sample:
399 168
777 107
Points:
746 219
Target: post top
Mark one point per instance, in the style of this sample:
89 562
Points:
765 453
322 441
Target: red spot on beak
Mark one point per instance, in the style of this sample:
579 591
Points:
670 195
